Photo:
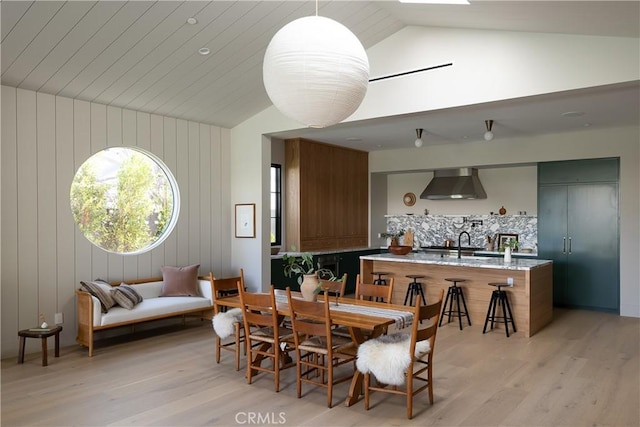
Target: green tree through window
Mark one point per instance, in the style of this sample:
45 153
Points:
124 201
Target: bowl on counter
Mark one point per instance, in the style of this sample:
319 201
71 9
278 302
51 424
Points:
275 250
400 250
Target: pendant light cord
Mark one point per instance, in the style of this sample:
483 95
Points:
316 7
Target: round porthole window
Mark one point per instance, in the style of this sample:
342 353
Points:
124 200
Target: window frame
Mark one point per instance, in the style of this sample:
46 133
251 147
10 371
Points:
278 201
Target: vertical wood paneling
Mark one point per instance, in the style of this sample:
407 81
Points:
157 148
194 188
27 209
114 127
143 140
170 159
45 139
81 152
114 139
99 257
9 241
226 210
46 195
66 278
205 198
182 176
216 221
129 139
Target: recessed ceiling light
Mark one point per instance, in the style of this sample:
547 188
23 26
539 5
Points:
573 114
204 51
587 125
192 21
354 138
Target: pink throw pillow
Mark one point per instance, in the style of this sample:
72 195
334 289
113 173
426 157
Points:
180 281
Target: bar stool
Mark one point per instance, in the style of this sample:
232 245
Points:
456 293
380 280
499 297
414 289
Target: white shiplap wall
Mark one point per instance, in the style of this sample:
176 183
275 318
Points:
45 139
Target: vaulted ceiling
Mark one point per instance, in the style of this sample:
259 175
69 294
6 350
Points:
143 55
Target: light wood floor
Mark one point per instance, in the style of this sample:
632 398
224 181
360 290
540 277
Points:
582 370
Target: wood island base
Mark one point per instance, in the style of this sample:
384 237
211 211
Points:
531 296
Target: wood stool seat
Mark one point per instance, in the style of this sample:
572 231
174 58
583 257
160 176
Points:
455 293
499 297
43 335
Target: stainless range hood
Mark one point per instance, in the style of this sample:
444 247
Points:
462 183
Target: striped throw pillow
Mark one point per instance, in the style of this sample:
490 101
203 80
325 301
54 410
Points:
126 296
102 291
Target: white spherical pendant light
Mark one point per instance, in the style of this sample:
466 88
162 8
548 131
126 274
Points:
316 71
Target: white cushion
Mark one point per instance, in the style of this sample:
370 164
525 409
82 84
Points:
149 307
153 307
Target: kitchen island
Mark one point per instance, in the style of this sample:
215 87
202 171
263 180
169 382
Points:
531 296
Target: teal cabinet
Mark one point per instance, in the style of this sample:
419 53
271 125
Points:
578 229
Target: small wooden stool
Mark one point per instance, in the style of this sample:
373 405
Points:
43 335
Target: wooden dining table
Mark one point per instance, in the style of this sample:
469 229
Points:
347 312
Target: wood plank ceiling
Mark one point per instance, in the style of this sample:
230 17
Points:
144 56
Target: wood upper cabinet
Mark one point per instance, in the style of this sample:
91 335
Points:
326 196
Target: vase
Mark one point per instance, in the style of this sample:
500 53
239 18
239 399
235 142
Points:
308 287
507 254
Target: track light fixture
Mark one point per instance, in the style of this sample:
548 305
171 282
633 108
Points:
488 135
419 141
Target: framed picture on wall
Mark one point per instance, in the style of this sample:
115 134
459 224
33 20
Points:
246 220
504 239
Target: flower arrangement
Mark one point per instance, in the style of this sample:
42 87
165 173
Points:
511 243
394 236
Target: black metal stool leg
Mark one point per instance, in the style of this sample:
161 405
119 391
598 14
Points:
504 312
491 309
464 303
496 301
409 292
444 308
458 306
510 314
421 291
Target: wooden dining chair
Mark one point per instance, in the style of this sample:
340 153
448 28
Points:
372 292
265 334
334 287
315 347
227 323
399 360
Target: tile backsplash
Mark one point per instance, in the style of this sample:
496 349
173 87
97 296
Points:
435 229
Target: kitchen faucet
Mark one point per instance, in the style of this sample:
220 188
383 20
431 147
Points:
459 245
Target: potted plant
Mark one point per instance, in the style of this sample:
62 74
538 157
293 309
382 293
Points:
507 247
394 236
301 266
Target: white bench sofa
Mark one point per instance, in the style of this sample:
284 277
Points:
153 307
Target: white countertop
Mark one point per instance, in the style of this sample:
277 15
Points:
528 254
465 261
